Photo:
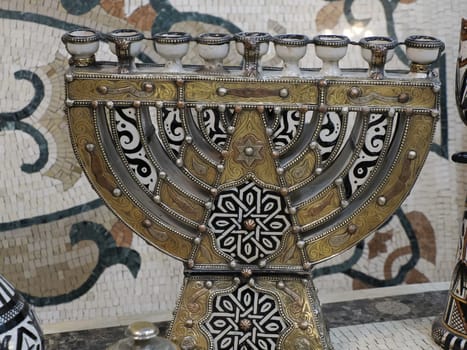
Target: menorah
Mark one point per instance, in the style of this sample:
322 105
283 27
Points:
250 175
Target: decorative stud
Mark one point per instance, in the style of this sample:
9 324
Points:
262 263
221 108
221 91
208 205
365 110
233 264
220 168
280 285
230 130
246 272
318 171
208 284
148 87
275 154
381 200
199 108
197 241
69 103
280 171
249 224
292 210
412 154
147 223
436 88
69 77
277 110
313 145
163 175
351 229
391 112
345 111
297 229
213 191
159 104
434 113
251 282
95 104
249 151
189 323
339 181
238 109
269 131
180 104
260 109
284 191
191 263
90 147
202 228
322 83
355 92
300 244
117 192
323 108
409 111
179 162
245 325
180 82
344 204
188 139
307 266
109 104
303 325
403 98
225 154
136 104
283 93
236 280
102 89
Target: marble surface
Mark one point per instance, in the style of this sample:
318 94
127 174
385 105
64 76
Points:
390 322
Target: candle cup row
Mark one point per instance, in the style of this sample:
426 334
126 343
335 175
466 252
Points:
126 44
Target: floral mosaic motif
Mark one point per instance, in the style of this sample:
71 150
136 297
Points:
245 319
248 222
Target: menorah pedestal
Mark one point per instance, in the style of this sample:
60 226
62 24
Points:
268 311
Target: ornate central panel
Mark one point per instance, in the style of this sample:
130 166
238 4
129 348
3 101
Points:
245 319
248 222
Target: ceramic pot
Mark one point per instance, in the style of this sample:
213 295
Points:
422 51
19 328
331 49
213 48
82 45
290 48
172 46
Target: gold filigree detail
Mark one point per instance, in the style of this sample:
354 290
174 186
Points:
117 90
301 170
181 203
320 207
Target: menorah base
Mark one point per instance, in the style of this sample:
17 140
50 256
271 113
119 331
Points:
249 312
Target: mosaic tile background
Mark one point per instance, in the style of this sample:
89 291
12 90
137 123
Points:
68 254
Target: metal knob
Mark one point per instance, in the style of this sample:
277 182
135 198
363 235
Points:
142 335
